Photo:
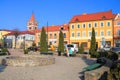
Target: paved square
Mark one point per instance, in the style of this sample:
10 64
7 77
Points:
65 68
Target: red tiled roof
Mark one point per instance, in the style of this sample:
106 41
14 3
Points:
20 32
54 28
6 30
93 17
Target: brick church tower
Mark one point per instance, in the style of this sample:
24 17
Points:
32 24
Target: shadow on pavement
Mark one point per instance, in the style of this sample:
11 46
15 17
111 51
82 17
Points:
88 62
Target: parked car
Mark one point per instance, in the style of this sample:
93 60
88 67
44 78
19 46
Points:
115 50
32 48
72 46
106 48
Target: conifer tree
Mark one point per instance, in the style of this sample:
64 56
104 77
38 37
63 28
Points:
81 49
61 42
92 50
43 41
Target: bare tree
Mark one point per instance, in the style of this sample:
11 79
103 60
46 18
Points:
16 34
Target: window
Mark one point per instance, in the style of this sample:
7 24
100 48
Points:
89 33
95 24
84 44
101 24
108 23
29 27
55 36
83 34
118 23
102 33
78 25
83 25
50 35
64 35
35 27
78 34
73 34
118 32
72 26
108 33
96 33
89 25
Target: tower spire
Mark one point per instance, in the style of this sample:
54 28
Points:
32 19
32 24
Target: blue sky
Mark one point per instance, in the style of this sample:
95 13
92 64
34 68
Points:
15 13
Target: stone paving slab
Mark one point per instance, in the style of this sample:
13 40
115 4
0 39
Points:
65 68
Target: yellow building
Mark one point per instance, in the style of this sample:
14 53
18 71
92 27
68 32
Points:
53 34
81 29
2 35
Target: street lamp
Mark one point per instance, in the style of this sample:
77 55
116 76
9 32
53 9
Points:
24 41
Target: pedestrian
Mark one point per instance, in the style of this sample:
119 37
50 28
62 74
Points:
70 52
67 51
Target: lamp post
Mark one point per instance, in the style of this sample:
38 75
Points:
24 41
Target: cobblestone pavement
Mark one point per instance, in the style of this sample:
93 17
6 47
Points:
65 68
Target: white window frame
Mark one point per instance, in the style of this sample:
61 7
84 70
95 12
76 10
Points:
77 34
83 26
89 33
108 31
101 32
107 23
90 24
79 26
72 26
83 33
96 23
72 34
101 25
96 33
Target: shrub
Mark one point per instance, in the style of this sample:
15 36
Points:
4 51
113 56
103 54
26 51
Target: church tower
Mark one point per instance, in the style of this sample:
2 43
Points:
32 24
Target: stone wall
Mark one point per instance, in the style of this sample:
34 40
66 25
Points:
95 74
28 60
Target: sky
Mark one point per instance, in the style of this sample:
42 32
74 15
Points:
14 14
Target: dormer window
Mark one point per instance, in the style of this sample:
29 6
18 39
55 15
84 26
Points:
77 20
103 17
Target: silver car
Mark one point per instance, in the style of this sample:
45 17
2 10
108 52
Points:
115 50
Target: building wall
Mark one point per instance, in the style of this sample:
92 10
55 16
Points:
2 33
29 39
53 37
117 30
87 30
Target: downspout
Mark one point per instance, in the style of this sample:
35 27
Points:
113 30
